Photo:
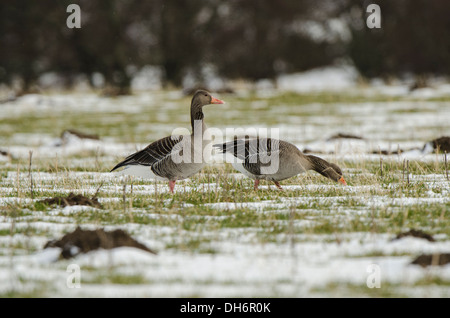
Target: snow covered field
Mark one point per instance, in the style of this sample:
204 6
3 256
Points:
217 237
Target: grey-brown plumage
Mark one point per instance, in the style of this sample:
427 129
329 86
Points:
174 157
276 160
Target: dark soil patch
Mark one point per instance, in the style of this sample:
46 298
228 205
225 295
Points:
73 199
307 150
420 82
83 241
387 153
79 134
344 136
415 233
425 260
5 153
441 144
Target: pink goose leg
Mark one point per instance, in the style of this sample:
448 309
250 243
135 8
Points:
256 184
172 185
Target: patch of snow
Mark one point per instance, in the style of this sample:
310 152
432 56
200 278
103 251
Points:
47 255
322 79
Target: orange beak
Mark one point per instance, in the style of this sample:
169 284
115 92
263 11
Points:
341 180
216 101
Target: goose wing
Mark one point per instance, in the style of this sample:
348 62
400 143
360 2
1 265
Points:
153 153
256 153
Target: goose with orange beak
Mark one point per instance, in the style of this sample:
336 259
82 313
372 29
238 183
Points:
174 157
276 160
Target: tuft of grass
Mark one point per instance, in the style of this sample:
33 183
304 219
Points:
115 278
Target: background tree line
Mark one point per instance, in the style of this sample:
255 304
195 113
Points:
249 39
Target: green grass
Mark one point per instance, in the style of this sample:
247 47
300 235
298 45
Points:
198 221
115 278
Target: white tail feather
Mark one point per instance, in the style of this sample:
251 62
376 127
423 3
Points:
140 171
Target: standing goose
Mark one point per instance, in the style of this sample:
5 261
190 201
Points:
275 160
174 157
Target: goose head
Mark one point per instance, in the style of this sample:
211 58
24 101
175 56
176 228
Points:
327 169
333 172
202 98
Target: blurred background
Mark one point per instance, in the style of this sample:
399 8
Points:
129 44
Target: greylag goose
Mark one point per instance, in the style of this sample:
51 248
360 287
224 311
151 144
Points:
174 157
275 160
